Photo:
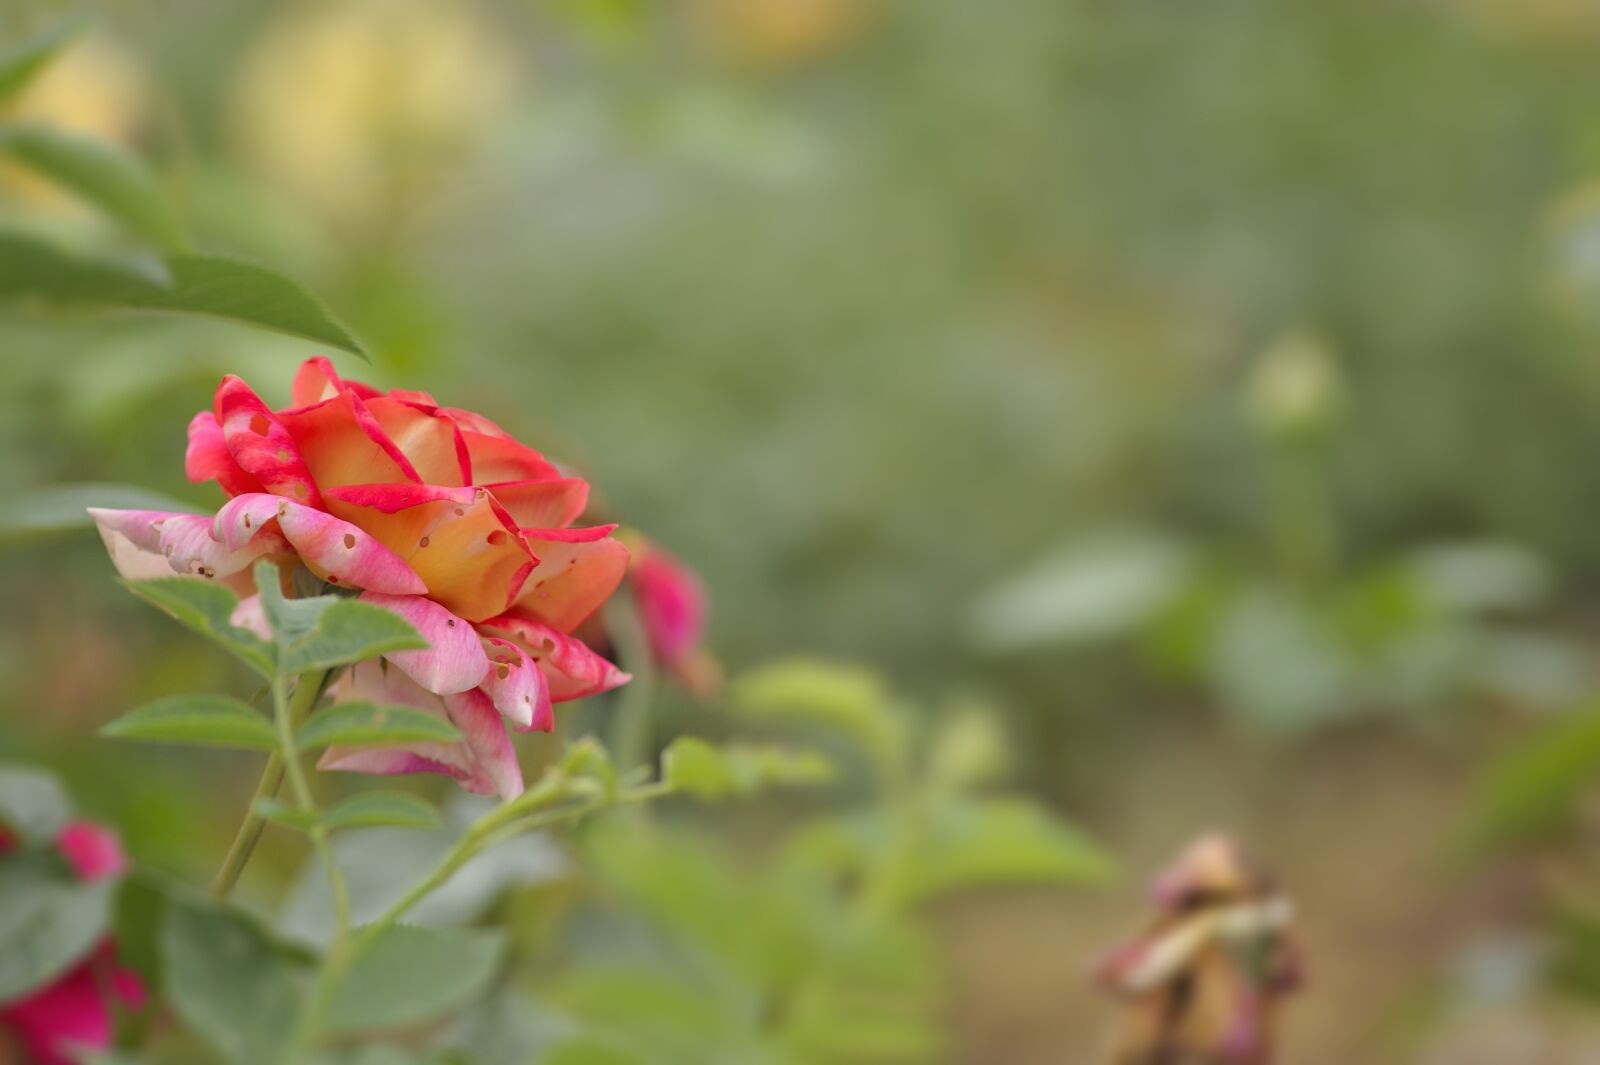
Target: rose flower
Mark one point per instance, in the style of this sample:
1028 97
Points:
432 512
73 1012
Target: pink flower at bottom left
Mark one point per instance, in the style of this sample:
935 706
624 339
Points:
74 1012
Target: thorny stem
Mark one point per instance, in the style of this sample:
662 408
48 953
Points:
249 832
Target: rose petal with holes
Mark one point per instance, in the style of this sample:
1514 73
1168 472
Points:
459 541
261 445
335 550
519 688
570 665
454 660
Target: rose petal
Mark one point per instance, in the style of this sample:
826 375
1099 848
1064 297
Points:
93 851
575 575
374 681
208 458
496 459
672 605
472 422
519 688
333 549
430 442
56 1022
182 542
261 445
571 667
251 616
551 504
496 769
454 660
458 540
343 443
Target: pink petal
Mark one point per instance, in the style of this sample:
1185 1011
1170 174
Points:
373 681
518 686
93 851
251 616
68 1015
137 540
571 667
454 661
575 575
484 761
261 445
672 605
495 759
332 548
208 458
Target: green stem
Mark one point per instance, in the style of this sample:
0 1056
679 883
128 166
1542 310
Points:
249 833
338 955
630 729
527 814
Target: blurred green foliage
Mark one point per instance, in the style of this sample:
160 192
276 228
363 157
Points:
1099 357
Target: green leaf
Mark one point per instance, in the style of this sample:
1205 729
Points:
849 699
228 981
588 759
281 813
328 630
203 720
1535 788
48 921
1102 586
100 173
61 507
21 64
140 913
993 842
31 269
350 631
412 973
369 724
32 803
374 809
692 765
206 608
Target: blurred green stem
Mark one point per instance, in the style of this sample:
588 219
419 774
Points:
630 729
249 833
1305 538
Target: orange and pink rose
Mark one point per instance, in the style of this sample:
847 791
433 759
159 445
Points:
432 512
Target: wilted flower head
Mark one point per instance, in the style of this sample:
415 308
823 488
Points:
432 512
73 1012
1203 980
1294 386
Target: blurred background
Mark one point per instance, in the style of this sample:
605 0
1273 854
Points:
1210 389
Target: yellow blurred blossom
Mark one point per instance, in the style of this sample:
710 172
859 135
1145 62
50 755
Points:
358 107
776 32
